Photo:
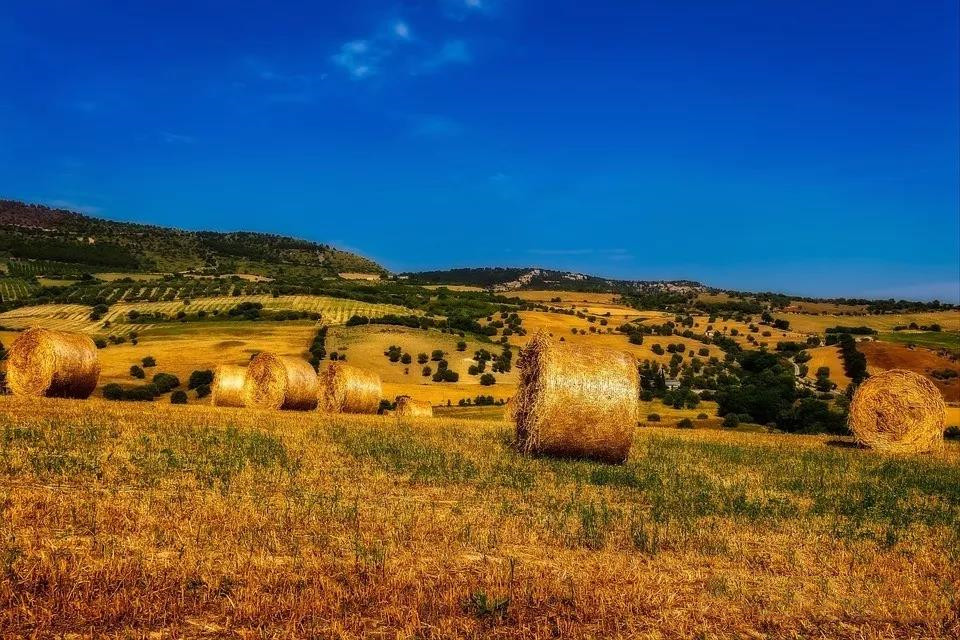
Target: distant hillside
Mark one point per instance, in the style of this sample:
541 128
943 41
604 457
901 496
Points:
36 232
516 278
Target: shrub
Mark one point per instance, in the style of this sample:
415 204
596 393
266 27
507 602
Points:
113 391
178 397
686 423
436 355
100 343
952 432
137 372
166 382
487 379
149 361
461 346
140 394
406 358
203 391
200 377
653 417
731 420
427 371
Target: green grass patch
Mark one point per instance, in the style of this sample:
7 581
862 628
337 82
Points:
930 339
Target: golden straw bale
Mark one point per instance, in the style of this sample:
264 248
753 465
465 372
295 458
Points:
575 401
898 411
347 389
407 406
280 382
227 390
54 364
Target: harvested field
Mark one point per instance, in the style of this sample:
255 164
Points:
886 355
196 521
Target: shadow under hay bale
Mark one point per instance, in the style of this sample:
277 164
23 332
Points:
347 389
227 389
53 364
898 411
575 401
410 408
280 382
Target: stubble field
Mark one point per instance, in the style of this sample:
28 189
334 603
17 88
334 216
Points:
194 521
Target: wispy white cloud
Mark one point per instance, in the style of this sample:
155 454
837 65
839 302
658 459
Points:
277 86
358 58
463 9
401 29
364 57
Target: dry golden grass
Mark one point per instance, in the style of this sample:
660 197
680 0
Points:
561 325
364 346
949 320
183 348
127 521
828 357
76 317
567 298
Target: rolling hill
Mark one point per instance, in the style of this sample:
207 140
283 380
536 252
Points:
69 242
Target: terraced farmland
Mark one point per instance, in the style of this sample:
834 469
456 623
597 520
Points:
76 317
13 289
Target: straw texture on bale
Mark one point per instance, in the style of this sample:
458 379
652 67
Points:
227 390
347 389
575 401
53 364
280 382
407 406
898 411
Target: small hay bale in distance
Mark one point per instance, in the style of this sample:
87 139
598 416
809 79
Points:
227 389
410 408
53 364
347 389
575 401
898 411
280 382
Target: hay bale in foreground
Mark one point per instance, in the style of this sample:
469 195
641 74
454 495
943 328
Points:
898 411
347 389
280 382
575 401
53 364
227 388
410 408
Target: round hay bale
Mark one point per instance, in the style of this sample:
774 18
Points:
898 411
280 382
410 408
227 388
53 364
575 401
347 389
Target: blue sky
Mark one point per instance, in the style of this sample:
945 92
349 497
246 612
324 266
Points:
808 147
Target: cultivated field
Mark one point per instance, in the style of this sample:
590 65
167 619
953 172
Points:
75 317
134 520
13 289
885 355
948 320
183 348
364 346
